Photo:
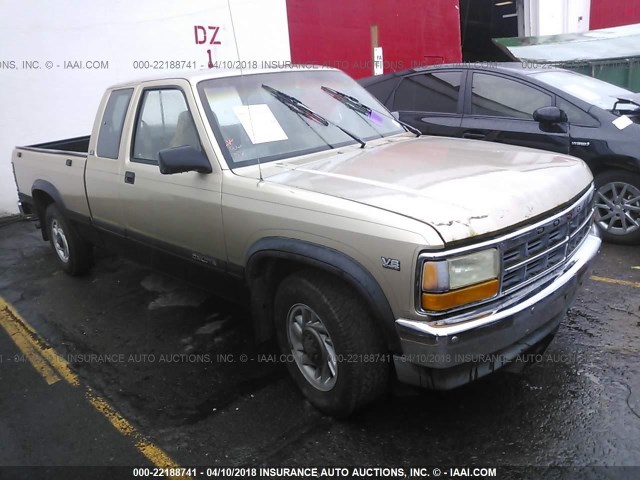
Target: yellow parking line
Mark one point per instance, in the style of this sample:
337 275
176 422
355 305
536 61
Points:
43 352
148 449
615 281
53 367
24 343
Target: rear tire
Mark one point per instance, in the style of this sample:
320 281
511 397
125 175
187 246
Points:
334 351
74 254
618 206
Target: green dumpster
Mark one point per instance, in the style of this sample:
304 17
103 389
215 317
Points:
610 54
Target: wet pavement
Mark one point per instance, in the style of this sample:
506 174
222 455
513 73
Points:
180 366
43 424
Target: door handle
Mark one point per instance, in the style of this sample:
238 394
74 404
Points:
474 136
130 177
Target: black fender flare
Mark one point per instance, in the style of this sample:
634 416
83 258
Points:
323 258
52 191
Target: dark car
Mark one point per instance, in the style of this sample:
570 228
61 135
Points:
546 108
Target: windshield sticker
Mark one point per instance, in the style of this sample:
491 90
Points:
259 123
622 122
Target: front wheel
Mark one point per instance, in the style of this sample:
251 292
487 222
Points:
617 206
333 350
74 254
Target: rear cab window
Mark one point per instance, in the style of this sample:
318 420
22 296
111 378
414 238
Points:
110 133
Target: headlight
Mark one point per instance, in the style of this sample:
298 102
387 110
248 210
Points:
466 279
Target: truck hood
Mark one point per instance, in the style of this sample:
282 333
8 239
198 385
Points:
462 188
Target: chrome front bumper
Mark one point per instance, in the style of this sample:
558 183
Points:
445 357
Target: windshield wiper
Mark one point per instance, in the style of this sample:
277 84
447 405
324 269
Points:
355 104
351 102
301 109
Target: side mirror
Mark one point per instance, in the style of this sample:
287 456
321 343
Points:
549 115
396 115
183 159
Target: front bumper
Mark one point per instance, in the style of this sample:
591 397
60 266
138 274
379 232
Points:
445 357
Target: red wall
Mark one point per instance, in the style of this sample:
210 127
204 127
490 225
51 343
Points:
337 33
614 13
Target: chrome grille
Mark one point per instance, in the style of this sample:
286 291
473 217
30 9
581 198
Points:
535 253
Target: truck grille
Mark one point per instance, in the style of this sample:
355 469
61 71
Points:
535 253
529 258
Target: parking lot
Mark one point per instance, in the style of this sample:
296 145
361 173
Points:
166 372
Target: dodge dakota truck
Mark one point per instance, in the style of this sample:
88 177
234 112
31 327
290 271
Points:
368 252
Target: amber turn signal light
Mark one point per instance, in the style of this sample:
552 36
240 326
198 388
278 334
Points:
444 301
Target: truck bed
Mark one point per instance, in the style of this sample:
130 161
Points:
76 145
56 168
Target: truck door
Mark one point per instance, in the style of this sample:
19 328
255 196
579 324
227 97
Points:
180 214
103 172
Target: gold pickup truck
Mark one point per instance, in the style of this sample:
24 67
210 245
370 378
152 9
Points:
366 250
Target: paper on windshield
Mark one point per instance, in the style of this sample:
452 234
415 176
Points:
259 123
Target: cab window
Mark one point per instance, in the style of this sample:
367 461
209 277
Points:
164 121
110 131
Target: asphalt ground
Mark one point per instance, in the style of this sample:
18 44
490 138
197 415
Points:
151 371
46 421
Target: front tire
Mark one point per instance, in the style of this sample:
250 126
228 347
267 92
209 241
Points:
74 254
334 352
618 206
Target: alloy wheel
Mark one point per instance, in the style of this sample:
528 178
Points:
618 208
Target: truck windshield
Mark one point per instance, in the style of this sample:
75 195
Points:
252 125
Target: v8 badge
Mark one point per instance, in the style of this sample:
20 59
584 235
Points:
390 263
